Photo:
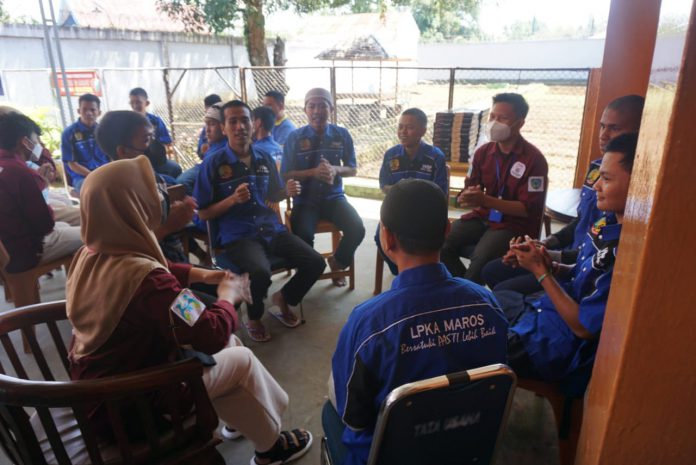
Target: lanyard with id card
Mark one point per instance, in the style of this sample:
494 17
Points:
496 216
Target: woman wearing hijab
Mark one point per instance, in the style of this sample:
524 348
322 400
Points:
130 309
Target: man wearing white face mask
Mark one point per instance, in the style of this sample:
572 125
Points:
27 227
506 188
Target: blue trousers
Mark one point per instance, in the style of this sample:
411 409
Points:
500 277
333 429
188 178
339 212
170 168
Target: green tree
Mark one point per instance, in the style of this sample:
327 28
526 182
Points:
436 19
220 15
4 17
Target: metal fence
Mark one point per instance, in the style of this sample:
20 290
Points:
369 99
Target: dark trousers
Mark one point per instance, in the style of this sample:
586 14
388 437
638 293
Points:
252 256
304 224
514 305
500 277
487 244
333 429
392 266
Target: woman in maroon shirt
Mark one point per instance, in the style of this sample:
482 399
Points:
131 309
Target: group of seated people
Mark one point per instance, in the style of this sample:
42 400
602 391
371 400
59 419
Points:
542 314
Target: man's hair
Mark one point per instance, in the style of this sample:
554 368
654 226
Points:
626 145
415 211
519 105
118 128
211 99
631 105
277 96
13 127
266 116
89 98
138 92
419 114
234 104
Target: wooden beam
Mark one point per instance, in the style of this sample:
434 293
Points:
639 407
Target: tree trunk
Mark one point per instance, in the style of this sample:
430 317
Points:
255 33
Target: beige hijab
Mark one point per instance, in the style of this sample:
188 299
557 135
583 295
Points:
120 207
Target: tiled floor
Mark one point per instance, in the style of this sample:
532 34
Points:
300 360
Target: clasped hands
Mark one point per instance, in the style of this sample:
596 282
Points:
242 194
530 254
325 171
472 196
231 287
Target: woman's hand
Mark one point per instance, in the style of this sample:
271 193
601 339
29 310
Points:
205 276
235 288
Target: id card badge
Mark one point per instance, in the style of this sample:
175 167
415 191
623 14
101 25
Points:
187 307
495 216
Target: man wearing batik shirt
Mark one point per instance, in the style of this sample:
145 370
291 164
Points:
506 187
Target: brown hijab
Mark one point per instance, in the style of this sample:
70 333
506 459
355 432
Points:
120 207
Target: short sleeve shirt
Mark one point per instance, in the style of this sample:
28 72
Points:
553 348
202 140
521 175
428 164
427 324
220 174
270 147
281 130
305 148
79 145
588 212
161 131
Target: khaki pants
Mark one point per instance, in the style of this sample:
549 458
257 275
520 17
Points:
64 214
245 395
62 241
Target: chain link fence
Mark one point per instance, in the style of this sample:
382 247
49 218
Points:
369 99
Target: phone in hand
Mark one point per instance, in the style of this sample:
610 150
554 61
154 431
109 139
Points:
176 192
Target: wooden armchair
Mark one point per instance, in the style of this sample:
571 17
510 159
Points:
62 406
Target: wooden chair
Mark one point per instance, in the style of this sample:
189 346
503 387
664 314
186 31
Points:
23 288
379 259
324 226
62 406
567 412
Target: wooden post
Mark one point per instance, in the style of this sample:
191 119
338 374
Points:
639 408
628 51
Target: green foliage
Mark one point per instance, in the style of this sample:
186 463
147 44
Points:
436 19
50 130
4 17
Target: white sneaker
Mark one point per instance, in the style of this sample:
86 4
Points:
229 434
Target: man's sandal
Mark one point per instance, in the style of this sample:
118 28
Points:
291 445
